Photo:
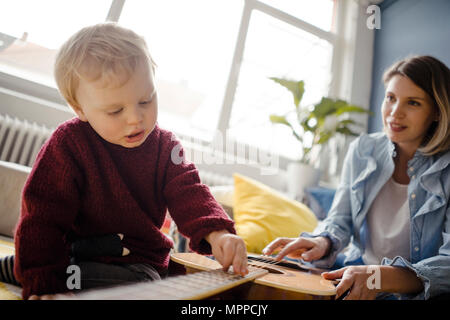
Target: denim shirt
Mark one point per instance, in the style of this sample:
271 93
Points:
368 166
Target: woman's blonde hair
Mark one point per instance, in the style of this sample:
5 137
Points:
103 50
433 77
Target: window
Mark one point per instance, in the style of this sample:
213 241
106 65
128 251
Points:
213 57
220 72
318 12
276 49
33 30
192 44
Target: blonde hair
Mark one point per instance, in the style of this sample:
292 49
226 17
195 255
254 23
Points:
433 77
104 50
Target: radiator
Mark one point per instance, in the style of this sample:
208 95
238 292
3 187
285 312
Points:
20 140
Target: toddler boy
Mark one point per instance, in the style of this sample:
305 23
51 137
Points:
109 171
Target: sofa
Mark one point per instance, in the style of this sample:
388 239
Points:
12 180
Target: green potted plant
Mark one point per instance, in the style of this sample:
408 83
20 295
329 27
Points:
318 122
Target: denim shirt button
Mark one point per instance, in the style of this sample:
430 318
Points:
416 249
413 196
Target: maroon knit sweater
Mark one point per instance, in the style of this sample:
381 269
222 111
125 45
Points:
82 185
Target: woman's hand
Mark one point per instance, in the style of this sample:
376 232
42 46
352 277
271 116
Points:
355 281
383 279
306 248
229 250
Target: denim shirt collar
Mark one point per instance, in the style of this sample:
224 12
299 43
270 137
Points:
429 173
416 161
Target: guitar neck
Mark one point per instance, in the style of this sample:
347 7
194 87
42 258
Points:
193 286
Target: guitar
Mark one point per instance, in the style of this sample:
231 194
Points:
283 279
193 286
267 279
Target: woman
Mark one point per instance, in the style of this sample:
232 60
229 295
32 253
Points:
392 204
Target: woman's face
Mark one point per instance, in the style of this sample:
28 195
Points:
407 112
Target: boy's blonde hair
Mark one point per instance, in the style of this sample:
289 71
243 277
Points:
104 50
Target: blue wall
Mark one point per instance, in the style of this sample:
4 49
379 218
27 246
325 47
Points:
407 27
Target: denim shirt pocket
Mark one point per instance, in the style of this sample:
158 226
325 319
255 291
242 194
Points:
356 199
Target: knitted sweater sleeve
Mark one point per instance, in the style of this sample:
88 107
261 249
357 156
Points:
49 206
190 203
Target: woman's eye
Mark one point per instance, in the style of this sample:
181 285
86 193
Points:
389 98
414 103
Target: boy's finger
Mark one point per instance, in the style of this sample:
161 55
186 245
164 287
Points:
237 265
125 252
240 260
226 258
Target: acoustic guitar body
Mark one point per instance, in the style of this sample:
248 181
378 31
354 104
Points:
281 282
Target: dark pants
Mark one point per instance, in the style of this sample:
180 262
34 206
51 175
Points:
95 274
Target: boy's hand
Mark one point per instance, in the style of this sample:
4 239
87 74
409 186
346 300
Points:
229 250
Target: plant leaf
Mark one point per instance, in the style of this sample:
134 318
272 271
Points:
282 120
297 88
279 119
345 122
325 107
324 137
346 131
350 108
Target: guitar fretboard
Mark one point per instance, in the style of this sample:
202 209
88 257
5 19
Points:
193 286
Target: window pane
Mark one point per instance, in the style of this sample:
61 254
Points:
316 12
276 49
192 43
46 24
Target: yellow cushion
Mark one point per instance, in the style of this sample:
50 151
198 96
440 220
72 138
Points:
262 214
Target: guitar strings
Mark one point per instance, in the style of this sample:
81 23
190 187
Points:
264 260
272 261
